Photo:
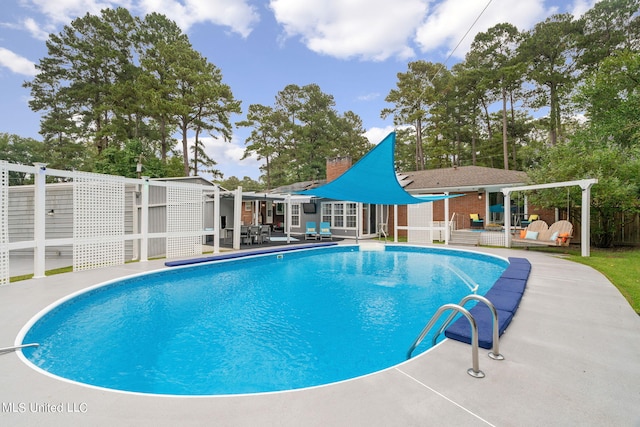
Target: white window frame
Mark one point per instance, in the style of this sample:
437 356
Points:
341 215
295 215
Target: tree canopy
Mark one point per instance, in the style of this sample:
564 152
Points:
299 132
113 78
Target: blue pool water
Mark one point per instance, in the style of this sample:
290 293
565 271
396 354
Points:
268 323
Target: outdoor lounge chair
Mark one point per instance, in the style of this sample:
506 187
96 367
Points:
558 234
530 219
311 232
476 221
325 231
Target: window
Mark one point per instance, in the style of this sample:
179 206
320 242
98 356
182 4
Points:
351 215
340 214
295 215
326 213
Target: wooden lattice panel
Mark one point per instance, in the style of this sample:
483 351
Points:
184 216
98 221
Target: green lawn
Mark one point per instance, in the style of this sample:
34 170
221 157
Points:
621 266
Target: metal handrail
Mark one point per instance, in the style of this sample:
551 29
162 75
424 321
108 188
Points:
474 371
495 349
17 347
381 230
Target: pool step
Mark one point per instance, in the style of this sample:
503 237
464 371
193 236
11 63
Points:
464 238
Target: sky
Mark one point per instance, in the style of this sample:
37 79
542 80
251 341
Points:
352 49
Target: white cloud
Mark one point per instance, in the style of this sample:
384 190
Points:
16 63
369 29
238 15
36 30
369 96
380 29
64 11
579 7
451 19
375 135
228 157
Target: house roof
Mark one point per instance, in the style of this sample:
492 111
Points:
462 178
188 179
298 186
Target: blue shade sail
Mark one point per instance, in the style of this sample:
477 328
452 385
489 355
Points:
372 180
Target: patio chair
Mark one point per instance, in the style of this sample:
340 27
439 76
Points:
245 235
530 219
311 231
254 234
265 233
476 221
325 231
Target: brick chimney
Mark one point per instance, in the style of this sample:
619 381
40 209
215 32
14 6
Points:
337 166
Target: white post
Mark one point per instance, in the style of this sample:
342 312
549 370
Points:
395 223
136 223
216 219
287 221
507 219
144 219
446 219
585 234
256 210
358 219
487 212
39 229
237 217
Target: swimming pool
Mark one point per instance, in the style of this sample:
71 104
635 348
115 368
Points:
266 323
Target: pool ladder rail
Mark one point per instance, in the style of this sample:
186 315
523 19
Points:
11 349
474 371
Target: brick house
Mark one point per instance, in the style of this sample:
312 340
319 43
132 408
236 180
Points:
480 187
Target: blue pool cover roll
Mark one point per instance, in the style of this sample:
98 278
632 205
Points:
505 295
241 254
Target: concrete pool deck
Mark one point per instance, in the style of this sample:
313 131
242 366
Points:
572 357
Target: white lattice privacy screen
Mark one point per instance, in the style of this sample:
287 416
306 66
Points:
4 223
184 215
98 221
420 215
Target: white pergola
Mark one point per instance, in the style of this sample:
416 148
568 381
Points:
585 185
240 196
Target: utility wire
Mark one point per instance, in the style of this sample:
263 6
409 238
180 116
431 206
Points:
457 46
